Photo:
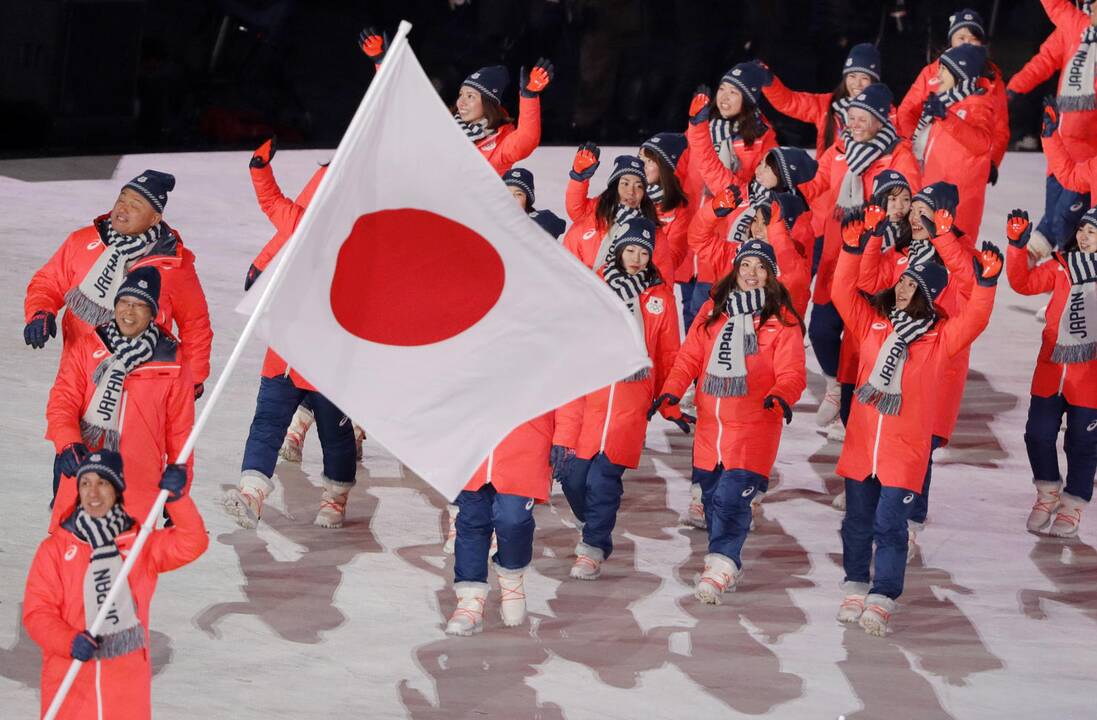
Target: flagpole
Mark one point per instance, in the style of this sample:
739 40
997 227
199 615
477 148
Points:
399 43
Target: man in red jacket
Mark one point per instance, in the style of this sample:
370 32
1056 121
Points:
90 266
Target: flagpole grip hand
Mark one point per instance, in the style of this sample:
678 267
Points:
84 646
174 481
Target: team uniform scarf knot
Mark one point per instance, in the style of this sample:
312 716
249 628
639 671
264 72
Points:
896 236
629 288
93 299
759 194
621 215
726 372
859 157
121 632
655 192
1076 86
839 108
1076 341
475 131
884 388
723 133
920 252
958 92
100 425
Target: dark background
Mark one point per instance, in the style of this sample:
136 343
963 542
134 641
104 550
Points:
112 76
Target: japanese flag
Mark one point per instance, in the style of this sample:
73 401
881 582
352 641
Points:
419 298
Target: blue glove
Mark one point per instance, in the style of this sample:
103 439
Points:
174 480
559 457
988 265
42 326
665 397
70 457
684 422
84 646
1051 117
700 105
934 107
586 162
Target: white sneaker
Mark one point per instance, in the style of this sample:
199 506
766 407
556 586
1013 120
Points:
295 434
836 431
512 593
877 614
588 562
468 618
720 575
854 602
451 534
333 504
839 501
1047 502
756 508
912 536
695 514
244 503
359 438
1068 517
830 404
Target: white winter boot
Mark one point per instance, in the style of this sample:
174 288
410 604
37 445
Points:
244 503
839 501
512 595
695 514
1067 517
359 438
295 435
468 618
720 575
830 404
451 534
877 614
756 508
588 562
913 528
1047 503
853 604
836 431
333 503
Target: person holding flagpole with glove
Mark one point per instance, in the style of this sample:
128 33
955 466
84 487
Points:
1064 381
904 338
124 387
600 435
746 353
71 574
479 110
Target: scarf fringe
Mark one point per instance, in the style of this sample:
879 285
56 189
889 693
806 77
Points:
639 376
1079 103
85 308
724 386
121 643
1073 354
750 343
886 403
95 436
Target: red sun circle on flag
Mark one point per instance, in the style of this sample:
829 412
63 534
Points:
411 277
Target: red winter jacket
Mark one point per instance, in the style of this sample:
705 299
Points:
613 420
895 448
881 271
519 465
585 235
832 168
510 144
706 162
927 82
284 214
53 613
157 416
182 300
958 151
715 252
1079 176
1077 382
738 431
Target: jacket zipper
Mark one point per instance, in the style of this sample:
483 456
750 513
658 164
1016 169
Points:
98 690
609 414
876 445
719 432
491 464
1062 379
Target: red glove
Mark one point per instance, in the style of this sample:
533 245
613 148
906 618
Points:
539 78
374 44
699 106
988 265
263 155
875 219
853 235
586 162
728 199
1018 228
943 220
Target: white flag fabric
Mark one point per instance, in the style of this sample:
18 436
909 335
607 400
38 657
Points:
423 302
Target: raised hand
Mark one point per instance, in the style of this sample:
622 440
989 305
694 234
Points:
854 237
264 154
374 44
586 162
538 79
988 265
1018 228
700 105
876 219
728 199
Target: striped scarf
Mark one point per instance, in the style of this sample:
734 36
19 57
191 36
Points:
920 252
476 131
726 372
723 133
629 288
621 214
93 299
100 425
121 632
839 108
896 236
859 157
759 194
958 92
655 192
884 388
1076 87
1076 341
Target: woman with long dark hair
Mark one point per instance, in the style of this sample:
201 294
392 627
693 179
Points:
1064 381
746 354
903 339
